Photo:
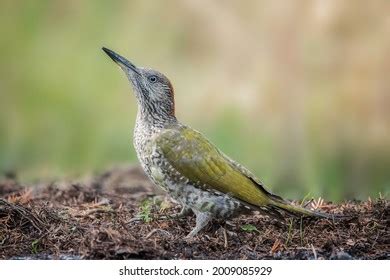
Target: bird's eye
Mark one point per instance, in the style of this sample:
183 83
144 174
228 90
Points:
153 79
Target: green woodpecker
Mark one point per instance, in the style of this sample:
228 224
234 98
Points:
187 165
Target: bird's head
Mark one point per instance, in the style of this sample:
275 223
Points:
154 92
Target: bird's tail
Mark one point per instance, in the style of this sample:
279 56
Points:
289 208
276 205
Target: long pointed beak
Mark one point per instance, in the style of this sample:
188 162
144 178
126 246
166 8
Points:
121 61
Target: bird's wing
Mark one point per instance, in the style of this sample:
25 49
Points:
198 160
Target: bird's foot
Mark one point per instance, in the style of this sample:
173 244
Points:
182 214
202 219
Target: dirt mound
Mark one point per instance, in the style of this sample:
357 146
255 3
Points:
91 219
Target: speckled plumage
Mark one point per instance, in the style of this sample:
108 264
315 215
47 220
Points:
185 164
192 194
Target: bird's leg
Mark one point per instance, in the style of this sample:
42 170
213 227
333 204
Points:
202 219
185 210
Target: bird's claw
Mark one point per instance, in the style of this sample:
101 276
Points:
176 216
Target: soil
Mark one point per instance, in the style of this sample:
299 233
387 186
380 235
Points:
91 219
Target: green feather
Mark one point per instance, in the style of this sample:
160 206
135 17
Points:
197 159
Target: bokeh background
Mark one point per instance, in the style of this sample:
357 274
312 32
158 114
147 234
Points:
298 91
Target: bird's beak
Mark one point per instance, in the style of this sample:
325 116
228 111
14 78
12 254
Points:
121 61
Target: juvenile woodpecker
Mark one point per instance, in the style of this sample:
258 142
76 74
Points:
186 164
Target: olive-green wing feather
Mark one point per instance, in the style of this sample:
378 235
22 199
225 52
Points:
195 158
198 160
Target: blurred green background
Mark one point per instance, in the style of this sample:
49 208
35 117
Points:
298 91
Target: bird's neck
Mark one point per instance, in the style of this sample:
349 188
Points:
154 120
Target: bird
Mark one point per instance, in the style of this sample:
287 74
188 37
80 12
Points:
184 163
